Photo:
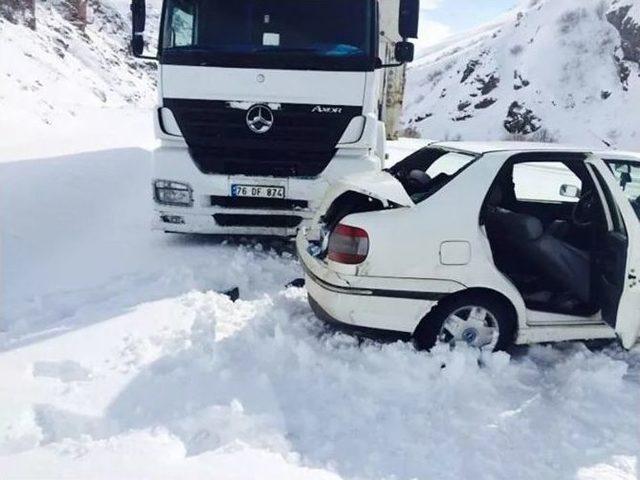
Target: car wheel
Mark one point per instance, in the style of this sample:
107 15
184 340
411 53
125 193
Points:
479 320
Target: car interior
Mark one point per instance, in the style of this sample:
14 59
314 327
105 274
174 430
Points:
428 170
549 233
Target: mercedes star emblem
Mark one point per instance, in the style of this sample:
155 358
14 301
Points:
259 119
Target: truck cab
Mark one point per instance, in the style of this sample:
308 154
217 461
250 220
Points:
264 103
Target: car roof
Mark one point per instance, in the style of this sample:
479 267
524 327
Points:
479 148
615 155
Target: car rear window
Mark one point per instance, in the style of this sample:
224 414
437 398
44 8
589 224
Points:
426 171
441 172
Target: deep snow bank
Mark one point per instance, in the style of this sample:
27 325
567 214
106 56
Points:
198 385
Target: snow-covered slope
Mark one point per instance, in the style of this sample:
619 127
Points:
49 78
565 70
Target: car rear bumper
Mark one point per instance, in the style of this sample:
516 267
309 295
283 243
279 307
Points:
373 333
358 304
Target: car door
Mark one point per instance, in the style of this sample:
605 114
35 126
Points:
619 180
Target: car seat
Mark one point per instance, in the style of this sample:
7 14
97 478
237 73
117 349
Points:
565 267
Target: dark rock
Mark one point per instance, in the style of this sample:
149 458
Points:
521 120
488 84
469 70
421 118
519 82
624 72
463 106
19 12
519 18
629 30
485 103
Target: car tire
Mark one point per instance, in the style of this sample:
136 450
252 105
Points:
500 318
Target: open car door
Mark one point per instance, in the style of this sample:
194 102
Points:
619 266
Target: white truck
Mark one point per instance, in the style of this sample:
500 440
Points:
264 103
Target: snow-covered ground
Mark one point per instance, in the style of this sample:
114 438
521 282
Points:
119 360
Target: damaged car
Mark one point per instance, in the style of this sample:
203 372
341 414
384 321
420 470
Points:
485 244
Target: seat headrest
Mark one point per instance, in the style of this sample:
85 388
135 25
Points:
516 227
526 228
495 196
419 177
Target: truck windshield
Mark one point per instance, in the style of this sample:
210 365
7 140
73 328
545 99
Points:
269 33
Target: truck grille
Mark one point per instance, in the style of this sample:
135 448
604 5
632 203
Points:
258 203
301 142
268 221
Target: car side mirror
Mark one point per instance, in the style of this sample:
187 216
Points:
624 169
570 191
625 179
409 17
404 52
138 23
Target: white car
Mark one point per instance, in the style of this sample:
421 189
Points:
488 244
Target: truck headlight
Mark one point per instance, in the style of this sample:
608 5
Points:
177 194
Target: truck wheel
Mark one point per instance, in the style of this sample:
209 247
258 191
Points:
479 320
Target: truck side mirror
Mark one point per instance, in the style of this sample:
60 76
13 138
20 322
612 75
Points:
409 18
138 22
137 44
405 51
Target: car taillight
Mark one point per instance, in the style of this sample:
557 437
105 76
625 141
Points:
349 245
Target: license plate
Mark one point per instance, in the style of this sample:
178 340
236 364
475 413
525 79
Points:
257 191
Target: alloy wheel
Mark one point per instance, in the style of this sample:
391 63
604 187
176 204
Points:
476 326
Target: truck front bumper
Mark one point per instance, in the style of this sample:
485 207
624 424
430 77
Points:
220 221
215 211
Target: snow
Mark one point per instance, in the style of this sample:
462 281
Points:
120 359
556 59
51 79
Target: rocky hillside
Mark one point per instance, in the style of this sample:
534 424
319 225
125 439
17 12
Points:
48 75
551 70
